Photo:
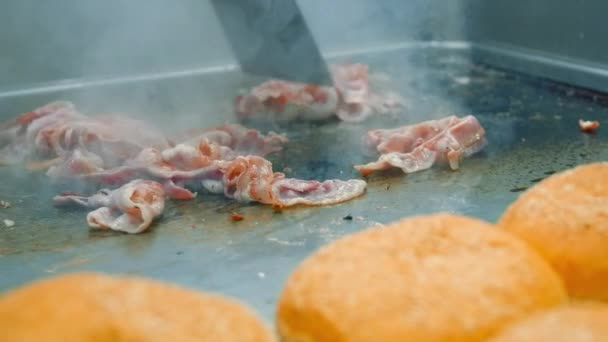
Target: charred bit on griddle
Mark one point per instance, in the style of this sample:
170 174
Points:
236 217
348 217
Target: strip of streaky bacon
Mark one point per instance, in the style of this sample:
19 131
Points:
57 129
18 135
245 179
190 159
131 208
174 165
417 147
251 178
290 100
241 140
350 98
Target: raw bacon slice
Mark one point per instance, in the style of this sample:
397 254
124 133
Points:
350 98
417 147
130 208
75 163
289 191
17 136
241 140
57 129
291 100
114 139
406 138
252 179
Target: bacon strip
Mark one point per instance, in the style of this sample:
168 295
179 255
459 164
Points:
350 98
130 208
245 179
57 129
241 140
251 179
113 150
418 147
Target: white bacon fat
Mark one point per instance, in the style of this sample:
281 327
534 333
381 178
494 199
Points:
418 147
131 208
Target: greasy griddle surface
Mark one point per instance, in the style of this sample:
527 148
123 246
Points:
532 132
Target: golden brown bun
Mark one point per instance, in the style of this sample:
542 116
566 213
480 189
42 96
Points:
577 323
430 278
565 217
96 307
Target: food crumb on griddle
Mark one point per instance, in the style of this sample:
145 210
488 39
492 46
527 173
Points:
5 204
588 126
236 217
348 218
9 223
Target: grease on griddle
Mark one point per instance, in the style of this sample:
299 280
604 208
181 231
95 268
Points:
548 173
519 189
536 180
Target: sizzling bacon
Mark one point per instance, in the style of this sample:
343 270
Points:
57 129
113 150
239 139
588 126
130 208
245 179
291 100
350 98
417 147
252 179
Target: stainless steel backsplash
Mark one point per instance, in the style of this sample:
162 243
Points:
50 41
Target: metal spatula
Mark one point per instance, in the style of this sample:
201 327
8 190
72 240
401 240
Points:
271 38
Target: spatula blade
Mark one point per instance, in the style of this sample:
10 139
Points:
271 38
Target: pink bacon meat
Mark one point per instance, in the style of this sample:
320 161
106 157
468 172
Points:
56 130
350 98
192 159
251 178
19 136
245 179
241 140
417 147
131 208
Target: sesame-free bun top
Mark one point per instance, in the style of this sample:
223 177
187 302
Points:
565 217
428 278
97 307
577 323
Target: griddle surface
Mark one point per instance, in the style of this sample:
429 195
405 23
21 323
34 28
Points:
532 131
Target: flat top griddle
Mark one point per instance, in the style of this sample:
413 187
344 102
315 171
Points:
532 131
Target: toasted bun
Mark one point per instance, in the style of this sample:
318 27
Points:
578 323
428 278
565 217
95 307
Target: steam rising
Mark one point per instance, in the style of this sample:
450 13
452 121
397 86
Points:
162 61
